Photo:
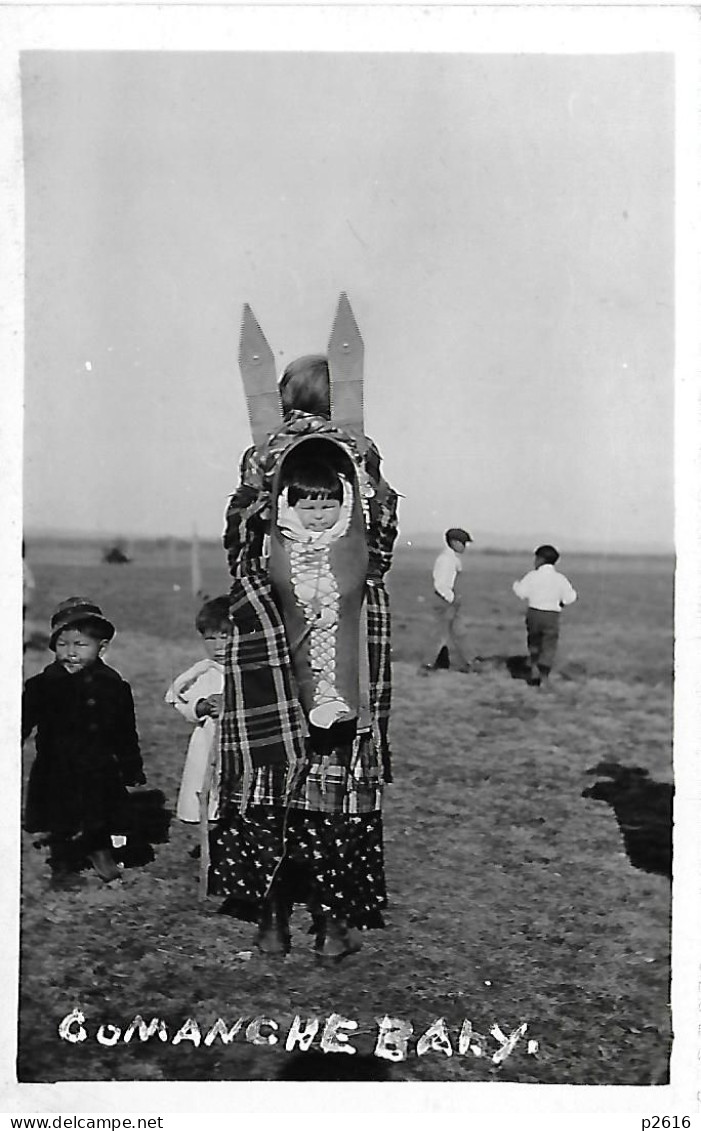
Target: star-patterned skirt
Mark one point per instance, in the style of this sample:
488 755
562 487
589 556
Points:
332 862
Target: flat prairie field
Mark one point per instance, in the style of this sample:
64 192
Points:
513 899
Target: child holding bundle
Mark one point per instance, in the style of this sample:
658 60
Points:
197 695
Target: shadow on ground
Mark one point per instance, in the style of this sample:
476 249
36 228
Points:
518 667
145 822
643 809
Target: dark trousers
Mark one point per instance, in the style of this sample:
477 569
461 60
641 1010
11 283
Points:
542 632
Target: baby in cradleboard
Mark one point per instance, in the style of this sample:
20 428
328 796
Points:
87 747
197 695
547 592
314 511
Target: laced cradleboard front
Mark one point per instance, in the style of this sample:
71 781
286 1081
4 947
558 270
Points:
316 590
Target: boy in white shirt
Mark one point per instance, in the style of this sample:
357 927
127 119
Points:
450 628
547 592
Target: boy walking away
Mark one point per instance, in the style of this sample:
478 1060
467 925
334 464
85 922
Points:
87 749
547 592
450 629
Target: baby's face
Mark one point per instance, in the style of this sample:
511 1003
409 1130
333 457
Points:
317 514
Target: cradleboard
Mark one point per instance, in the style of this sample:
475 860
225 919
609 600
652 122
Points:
325 630
320 592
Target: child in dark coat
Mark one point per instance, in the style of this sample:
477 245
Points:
87 748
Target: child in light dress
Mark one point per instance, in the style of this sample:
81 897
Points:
314 511
197 695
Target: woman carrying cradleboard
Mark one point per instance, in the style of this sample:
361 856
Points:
304 745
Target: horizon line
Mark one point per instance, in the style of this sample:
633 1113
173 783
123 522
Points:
420 538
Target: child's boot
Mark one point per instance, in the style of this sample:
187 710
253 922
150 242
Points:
533 679
273 929
105 865
64 874
336 940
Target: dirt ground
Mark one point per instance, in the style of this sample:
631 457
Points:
513 899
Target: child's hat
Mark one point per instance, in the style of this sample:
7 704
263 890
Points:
77 610
457 534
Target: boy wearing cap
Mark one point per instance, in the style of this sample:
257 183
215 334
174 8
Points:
87 748
547 592
450 629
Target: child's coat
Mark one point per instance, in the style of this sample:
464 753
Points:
87 748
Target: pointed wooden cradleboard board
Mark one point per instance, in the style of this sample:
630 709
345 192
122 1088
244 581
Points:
346 354
257 365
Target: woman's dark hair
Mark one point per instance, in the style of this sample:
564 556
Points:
305 386
312 481
213 616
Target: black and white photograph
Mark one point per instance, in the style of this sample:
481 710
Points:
352 472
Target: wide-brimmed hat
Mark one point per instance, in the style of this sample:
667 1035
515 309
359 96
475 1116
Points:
457 534
79 610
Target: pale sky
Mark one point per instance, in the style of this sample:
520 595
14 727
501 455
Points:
503 226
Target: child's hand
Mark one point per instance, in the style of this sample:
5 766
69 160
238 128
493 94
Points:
210 707
135 779
216 703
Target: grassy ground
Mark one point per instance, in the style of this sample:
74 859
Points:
512 899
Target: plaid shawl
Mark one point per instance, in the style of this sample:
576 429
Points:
263 731
379 655
262 724
382 534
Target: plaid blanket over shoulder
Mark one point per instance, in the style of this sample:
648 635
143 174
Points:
380 665
262 725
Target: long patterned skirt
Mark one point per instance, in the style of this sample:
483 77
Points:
315 838
321 845
332 862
